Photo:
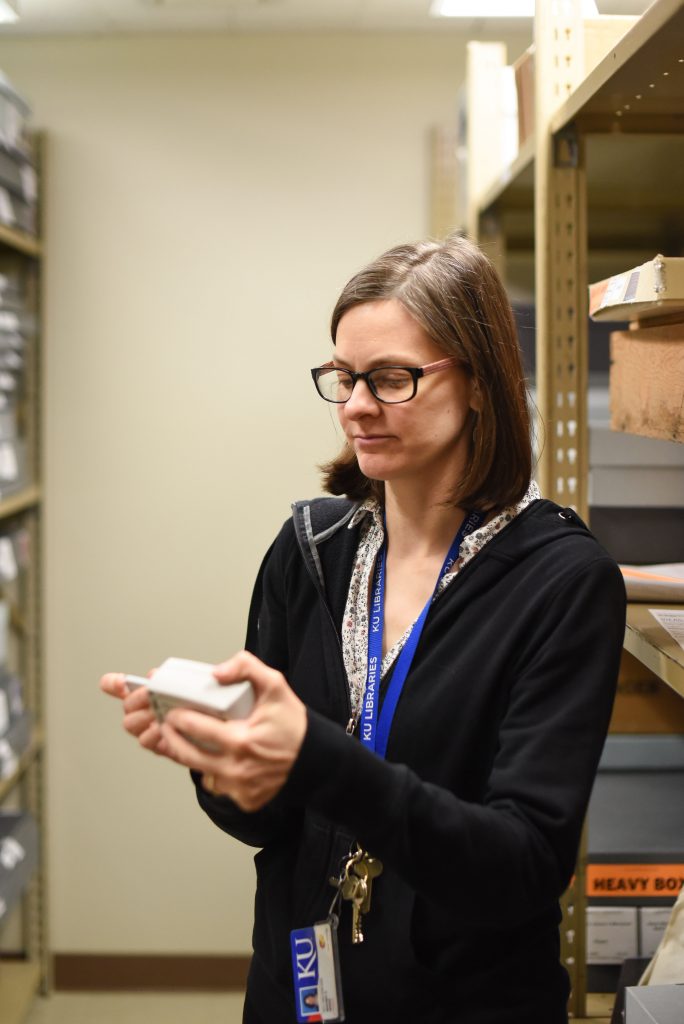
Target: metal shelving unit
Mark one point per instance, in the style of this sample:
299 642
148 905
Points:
24 960
601 177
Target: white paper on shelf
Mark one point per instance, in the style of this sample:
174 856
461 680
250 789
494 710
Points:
672 620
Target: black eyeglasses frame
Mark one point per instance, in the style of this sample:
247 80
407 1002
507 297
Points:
416 373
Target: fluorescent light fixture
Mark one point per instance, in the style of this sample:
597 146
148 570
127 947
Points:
496 9
9 10
482 9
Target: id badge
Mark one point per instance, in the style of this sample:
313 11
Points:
316 971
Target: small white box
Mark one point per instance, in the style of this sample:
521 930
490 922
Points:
611 934
179 682
652 925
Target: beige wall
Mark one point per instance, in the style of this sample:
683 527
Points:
206 197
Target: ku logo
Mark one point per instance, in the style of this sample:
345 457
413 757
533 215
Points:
305 958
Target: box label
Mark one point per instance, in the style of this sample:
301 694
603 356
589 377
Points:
620 880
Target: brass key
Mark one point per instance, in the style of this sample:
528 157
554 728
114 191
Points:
358 898
354 884
369 868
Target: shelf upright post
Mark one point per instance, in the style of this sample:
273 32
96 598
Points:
562 344
560 274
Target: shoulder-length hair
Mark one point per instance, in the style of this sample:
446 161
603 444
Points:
457 297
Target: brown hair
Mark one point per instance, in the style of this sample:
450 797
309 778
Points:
455 294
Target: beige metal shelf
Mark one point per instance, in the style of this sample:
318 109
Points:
21 979
28 245
652 645
639 82
26 759
634 185
19 984
602 179
19 502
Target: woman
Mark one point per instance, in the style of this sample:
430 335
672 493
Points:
453 782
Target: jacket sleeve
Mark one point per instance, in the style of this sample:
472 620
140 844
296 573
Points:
267 638
510 857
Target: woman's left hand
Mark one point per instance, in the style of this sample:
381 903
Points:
251 758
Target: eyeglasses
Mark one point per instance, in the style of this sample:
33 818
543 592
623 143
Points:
389 384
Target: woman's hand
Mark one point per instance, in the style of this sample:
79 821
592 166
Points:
251 758
139 718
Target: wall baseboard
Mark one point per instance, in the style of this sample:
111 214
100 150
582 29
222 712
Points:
84 972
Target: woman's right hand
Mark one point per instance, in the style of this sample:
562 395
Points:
139 718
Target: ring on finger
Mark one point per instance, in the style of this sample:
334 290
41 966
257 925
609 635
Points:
209 782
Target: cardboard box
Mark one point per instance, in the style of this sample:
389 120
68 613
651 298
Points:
636 486
650 290
636 472
647 381
652 925
600 36
643 703
621 881
611 934
523 69
635 835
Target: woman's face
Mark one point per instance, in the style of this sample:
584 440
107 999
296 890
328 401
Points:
426 439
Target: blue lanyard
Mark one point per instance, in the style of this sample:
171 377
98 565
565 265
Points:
375 728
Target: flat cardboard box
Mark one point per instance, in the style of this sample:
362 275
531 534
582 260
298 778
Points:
635 840
610 448
647 535
644 704
600 36
636 486
653 289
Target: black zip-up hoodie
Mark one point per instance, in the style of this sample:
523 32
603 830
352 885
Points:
477 810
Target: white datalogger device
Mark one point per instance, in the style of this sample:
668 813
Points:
180 683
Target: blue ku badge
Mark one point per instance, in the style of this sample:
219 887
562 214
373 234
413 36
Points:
315 966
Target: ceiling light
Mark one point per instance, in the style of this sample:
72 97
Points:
9 10
496 9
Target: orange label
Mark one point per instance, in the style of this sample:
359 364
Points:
620 880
